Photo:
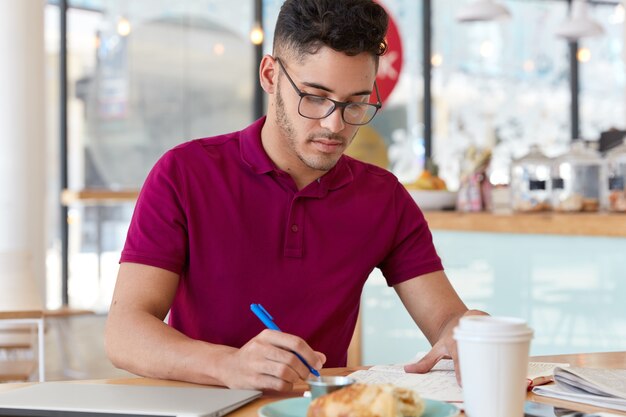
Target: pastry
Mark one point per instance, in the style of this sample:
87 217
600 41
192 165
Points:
368 400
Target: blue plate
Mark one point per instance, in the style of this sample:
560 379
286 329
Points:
296 407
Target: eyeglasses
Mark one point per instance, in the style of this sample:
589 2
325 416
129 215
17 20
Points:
318 107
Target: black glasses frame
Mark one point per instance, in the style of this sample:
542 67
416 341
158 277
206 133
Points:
341 104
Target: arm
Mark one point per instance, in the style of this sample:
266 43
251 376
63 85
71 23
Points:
436 308
138 340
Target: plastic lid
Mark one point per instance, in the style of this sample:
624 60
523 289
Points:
486 328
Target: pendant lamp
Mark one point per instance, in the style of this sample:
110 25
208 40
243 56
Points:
482 10
579 25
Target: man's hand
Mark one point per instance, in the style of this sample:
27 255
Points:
444 348
268 362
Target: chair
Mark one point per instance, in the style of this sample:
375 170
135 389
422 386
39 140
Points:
22 357
21 320
21 346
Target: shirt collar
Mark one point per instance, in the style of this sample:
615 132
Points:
338 176
253 154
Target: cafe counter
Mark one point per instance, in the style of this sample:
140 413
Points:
551 223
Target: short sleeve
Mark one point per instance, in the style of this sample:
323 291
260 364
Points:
158 234
413 252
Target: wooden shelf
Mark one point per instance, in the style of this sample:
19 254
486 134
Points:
98 196
576 224
573 224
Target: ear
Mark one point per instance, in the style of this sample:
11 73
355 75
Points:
268 73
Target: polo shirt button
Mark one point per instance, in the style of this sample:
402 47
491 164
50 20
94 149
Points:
294 228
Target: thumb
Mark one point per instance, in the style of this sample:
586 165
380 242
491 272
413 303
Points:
426 363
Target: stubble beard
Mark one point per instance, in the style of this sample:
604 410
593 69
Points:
316 162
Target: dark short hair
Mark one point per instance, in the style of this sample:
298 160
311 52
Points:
348 26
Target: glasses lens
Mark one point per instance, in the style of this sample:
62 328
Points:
359 113
316 107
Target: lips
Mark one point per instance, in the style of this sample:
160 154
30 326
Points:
327 146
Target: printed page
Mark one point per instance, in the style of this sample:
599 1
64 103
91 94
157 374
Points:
435 385
567 393
438 384
537 369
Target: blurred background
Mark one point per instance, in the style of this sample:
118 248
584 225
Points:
124 81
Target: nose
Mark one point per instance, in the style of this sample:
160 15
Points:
334 121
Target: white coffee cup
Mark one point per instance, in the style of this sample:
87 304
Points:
493 359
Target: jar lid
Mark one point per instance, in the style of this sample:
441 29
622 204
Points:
534 157
580 153
618 153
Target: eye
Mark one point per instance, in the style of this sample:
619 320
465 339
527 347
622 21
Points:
356 109
318 100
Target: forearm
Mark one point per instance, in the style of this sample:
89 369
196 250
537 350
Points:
138 341
144 345
433 304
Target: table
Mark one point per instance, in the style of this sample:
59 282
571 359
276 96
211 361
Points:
597 360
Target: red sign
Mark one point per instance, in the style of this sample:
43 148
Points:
390 64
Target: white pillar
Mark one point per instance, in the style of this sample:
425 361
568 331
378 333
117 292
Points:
22 151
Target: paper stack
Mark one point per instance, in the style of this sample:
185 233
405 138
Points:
600 387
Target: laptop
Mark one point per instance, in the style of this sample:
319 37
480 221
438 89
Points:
56 399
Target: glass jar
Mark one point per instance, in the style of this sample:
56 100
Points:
576 179
616 179
530 182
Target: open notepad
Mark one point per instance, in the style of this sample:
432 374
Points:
438 384
600 387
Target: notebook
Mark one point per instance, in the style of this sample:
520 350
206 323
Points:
56 399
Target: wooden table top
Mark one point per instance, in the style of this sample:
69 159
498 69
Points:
616 360
20 314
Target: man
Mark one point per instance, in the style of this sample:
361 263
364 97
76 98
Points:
277 215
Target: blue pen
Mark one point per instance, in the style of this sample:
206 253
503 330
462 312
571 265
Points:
268 321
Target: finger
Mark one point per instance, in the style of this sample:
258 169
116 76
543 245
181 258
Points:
457 372
289 359
427 362
455 359
321 357
284 371
258 355
292 343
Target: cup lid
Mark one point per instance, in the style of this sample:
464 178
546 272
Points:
492 326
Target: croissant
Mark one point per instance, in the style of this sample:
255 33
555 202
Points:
365 400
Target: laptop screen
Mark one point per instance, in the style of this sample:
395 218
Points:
55 399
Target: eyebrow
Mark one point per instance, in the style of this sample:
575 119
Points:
329 90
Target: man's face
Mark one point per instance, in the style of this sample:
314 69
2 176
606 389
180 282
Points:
318 144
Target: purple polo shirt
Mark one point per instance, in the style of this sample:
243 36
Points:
237 230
